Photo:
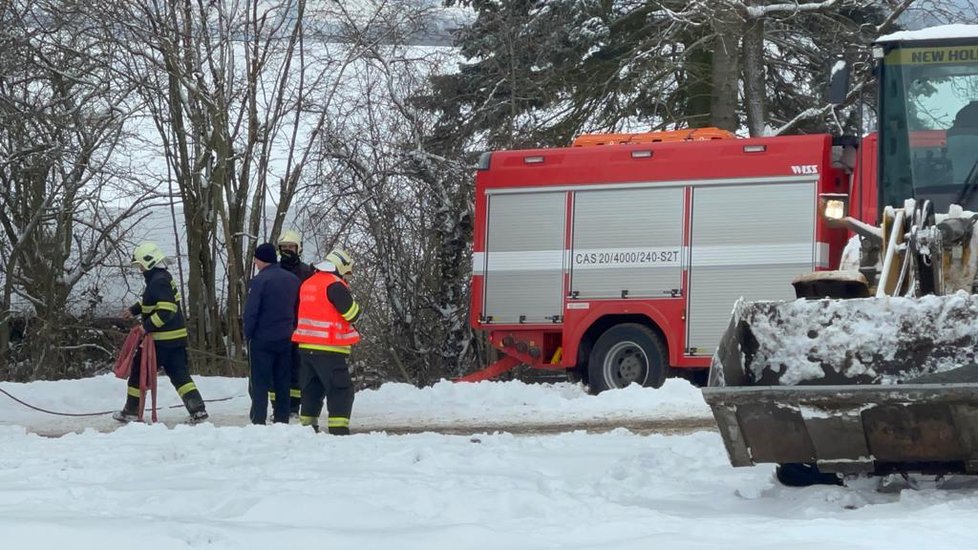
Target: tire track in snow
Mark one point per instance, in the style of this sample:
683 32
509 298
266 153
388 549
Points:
644 426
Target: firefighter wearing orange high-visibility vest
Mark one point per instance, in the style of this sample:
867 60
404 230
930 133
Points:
325 334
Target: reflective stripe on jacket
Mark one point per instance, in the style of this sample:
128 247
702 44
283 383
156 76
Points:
320 325
160 309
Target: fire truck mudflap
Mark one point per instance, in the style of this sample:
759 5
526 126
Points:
856 386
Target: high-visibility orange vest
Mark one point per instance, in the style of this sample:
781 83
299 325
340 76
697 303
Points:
320 325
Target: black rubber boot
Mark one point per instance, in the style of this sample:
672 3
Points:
129 412
195 406
125 417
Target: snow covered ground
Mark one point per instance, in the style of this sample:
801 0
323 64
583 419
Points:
227 485
394 407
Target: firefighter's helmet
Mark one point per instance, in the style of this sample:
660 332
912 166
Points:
337 260
148 255
291 237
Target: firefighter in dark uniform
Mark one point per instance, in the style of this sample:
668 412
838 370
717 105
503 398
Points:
289 250
161 317
325 334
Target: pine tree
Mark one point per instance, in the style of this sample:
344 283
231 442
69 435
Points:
538 72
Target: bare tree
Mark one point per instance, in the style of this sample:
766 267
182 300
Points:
239 100
60 125
413 206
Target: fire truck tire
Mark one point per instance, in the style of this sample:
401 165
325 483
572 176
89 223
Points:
627 353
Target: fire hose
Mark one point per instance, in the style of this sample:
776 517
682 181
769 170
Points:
122 368
138 338
98 413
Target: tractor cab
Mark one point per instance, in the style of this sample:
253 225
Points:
928 117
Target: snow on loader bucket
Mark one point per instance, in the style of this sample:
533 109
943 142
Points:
858 385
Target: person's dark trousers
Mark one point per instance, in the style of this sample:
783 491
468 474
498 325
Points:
271 366
325 375
173 359
295 385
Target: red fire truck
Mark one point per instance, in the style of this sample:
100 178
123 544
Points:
619 259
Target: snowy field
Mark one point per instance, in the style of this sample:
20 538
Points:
227 485
499 406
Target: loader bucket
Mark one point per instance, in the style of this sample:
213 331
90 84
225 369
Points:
871 385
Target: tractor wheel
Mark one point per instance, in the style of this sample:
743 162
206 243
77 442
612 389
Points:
624 354
804 475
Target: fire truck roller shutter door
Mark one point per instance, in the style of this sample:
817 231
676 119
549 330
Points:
739 251
525 257
627 240
627 353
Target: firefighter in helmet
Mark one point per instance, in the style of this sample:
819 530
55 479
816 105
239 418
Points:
289 250
161 316
325 335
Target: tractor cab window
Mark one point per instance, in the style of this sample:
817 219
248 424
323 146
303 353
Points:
929 126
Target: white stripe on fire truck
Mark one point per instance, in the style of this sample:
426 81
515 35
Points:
626 258
586 259
525 260
640 185
752 254
629 258
822 254
478 263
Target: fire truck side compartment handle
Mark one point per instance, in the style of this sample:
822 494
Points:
624 294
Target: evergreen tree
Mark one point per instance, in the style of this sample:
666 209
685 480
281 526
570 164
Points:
539 72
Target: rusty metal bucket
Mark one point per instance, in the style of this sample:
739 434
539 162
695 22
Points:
808 382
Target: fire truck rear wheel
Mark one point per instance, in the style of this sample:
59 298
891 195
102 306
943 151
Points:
627 353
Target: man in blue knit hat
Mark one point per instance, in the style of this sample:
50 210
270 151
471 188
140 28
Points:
269 319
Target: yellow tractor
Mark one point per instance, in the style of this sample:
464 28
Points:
872 369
